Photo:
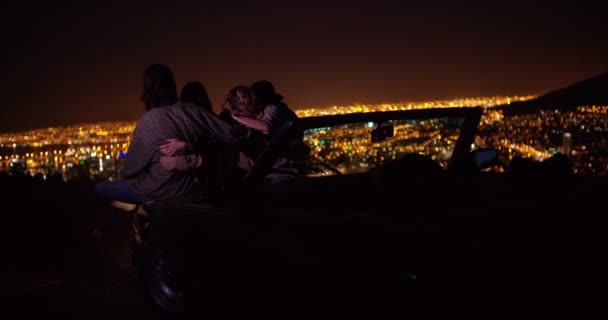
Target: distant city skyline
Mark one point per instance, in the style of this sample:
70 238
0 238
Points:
96 150
101 126
83 62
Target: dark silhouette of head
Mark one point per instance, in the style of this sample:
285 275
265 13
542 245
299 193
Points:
159 88
194 92
241 101
557 164
523 166
265 92
412 166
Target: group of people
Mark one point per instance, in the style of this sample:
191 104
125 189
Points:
180 146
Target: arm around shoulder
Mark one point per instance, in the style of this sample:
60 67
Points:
256 124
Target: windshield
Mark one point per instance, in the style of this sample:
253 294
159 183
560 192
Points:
358 147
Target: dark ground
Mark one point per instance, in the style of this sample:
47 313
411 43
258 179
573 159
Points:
66 255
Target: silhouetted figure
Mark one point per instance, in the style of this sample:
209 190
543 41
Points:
557 165
410 168
523 166
143 177
269 113
183 157
240 103
159 90
264 115
267 96
195 92
273 109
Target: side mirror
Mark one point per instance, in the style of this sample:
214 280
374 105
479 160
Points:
485 157
383 132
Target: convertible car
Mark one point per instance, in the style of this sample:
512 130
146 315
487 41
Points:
399 213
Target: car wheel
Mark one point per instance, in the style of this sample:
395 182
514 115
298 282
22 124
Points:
159 281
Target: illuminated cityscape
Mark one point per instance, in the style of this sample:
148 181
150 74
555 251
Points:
580 134
350 149
78 151
96 151
486 102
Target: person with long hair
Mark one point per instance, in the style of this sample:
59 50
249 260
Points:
143 178
195 92
180 156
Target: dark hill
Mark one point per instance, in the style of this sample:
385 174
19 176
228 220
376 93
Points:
592 91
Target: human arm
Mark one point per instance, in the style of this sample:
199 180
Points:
220 129
182 163
253 123
270 116
174 145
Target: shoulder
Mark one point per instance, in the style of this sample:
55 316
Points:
180 107
184 111
270 113
154 113
286 111
156 119
150 117
190 108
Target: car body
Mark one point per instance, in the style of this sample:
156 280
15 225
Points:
409 229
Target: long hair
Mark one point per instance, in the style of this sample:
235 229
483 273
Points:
194 92
158 87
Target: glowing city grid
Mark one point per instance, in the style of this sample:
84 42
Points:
97 150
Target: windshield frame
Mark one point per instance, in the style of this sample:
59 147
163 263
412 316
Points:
471 116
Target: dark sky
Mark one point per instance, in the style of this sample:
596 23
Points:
65 63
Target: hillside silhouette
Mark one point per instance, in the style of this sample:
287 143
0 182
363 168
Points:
592 91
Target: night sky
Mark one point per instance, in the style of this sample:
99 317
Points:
83 62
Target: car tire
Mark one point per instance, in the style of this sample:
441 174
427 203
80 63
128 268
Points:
158 281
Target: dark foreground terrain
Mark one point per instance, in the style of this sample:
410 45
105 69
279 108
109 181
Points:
66 256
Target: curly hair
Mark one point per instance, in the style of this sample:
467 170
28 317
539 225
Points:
159 88
241 101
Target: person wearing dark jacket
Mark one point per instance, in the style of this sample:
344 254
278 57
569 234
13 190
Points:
143 179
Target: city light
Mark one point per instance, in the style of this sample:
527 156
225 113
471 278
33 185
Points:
97 150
